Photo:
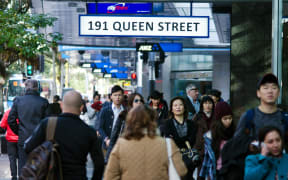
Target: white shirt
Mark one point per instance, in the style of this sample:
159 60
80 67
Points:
116 112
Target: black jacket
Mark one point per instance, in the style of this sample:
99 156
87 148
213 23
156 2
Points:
233 156
53 109
189 106
76 139
30 109
162 113
117 131
106 119
169 130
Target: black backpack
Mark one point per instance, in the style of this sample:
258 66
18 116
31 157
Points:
235 150
44 162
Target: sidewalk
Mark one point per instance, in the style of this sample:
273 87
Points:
5 167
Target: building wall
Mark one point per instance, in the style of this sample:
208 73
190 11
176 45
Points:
250 52
284 104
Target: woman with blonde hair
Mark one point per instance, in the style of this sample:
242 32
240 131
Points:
140 153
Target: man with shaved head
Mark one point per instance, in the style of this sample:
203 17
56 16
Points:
75 138
29 110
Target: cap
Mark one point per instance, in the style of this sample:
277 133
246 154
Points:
268 78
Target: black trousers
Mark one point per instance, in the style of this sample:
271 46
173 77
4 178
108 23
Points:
22 157
12 148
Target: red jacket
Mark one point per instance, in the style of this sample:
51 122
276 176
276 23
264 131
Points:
10 136
97 105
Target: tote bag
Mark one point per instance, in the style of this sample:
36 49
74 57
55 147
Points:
173 175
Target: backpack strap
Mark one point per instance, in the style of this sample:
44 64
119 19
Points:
285 120
51 126
249 125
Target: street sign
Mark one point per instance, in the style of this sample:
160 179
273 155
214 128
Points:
86 65
97 70
107 75
144 26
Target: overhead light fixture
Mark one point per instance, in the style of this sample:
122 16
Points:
107 75
97 70
86 65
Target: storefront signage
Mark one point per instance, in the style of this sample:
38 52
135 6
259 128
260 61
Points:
124 8
191 75
158 47
119 8
148 47
135 26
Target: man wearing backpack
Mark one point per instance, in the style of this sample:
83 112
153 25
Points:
245 138
75 138
267 112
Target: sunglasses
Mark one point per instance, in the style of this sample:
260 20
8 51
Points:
138 100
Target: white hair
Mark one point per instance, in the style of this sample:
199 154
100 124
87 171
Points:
190 86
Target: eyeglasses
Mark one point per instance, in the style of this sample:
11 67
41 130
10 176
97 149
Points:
138 100
195 89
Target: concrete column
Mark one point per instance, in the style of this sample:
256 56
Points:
250 52
139 72
277 41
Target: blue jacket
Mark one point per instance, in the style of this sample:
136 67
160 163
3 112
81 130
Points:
261 167
106 118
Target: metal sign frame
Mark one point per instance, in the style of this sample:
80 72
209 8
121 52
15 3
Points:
147 26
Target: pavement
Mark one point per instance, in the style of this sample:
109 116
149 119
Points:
5 167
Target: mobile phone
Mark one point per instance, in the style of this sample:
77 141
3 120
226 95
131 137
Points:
255 143
263 144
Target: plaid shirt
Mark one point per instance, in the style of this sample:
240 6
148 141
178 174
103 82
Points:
209 162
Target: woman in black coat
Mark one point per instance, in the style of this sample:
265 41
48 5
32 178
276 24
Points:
203 119
182 131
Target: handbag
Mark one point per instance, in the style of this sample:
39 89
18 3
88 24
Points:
173 175
190 156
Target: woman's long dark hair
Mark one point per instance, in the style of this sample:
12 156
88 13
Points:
219 133
131 98
206 99
267 129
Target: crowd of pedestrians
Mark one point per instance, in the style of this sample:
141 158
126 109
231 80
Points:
128 138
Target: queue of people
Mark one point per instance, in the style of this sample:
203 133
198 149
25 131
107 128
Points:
130 136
